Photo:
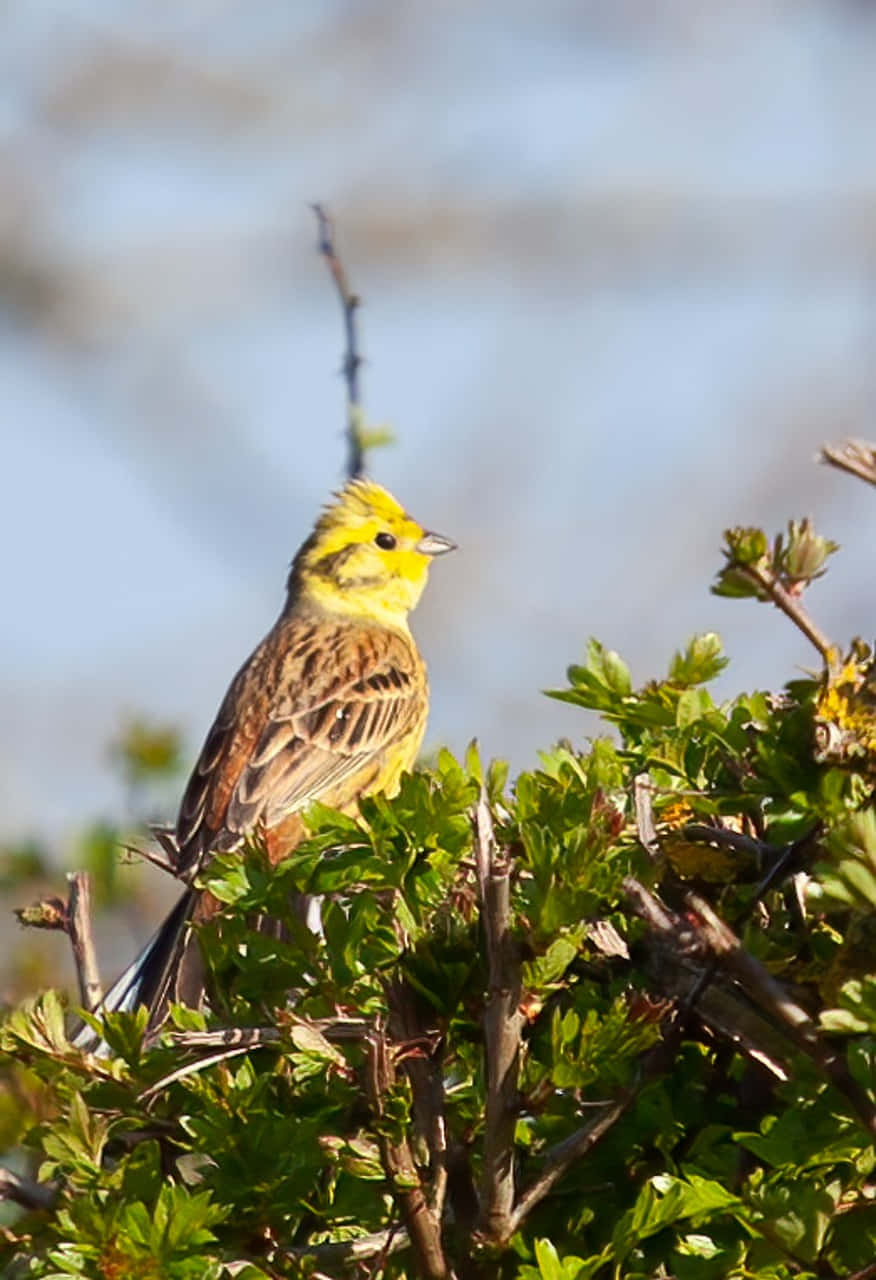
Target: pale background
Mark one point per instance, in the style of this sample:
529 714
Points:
618 266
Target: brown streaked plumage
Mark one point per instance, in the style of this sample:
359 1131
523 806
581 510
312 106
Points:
332 705
319 711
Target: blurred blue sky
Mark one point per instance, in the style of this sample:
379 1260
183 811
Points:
618 269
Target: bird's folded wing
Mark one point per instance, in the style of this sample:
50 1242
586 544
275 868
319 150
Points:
296 729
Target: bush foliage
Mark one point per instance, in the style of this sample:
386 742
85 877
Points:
616 1019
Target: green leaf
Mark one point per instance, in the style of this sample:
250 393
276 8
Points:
693 704
549 1265
665 1200
700 662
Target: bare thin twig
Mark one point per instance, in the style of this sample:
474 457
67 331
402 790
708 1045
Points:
565 1154
352 360
664 923
704 935
230 1042
857 457
559 1159
791 854
191 1069
723 943
503 1023
157 859
79 930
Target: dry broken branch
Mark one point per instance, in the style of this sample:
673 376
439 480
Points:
81 935
646 831
72 917
857 457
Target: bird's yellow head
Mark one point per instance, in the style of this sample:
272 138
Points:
366 558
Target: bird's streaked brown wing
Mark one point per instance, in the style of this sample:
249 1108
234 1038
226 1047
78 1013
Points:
310 715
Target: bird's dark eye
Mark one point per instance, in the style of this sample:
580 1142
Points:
385 541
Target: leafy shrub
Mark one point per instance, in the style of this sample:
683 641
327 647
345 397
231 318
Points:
617 1019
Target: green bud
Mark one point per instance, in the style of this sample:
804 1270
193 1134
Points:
806 553
745 546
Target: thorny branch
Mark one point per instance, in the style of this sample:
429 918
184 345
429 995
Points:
352 360
503 1023
423 1226
423 1069
704 935
772 996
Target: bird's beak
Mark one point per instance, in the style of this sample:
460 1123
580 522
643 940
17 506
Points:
433 544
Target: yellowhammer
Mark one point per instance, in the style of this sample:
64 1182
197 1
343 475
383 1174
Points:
332 705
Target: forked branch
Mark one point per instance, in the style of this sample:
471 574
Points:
770 995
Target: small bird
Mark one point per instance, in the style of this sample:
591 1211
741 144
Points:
331 706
